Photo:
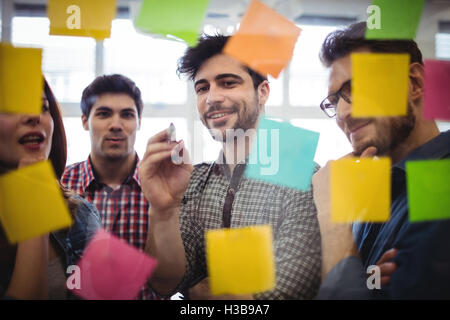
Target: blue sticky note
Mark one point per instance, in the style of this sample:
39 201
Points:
282 154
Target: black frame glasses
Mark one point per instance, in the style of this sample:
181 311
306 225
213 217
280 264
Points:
329 104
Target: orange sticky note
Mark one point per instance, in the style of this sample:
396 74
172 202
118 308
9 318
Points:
31 202
20 72
84 18
240 261
360 190
265 40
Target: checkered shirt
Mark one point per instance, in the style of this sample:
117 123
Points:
123 211
291 213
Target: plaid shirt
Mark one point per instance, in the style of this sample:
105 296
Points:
291 213
123 211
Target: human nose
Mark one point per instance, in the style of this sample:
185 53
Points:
343 110
116 123
31 119
214 96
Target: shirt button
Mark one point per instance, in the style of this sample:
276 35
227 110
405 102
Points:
231 191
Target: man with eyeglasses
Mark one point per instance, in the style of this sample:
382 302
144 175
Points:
422 257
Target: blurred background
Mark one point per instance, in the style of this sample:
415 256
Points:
71 63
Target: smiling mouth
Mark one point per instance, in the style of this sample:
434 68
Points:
357 128
219 115
32 140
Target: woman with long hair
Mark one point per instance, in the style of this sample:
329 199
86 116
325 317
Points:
36 268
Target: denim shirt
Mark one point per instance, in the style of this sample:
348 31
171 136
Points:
72 241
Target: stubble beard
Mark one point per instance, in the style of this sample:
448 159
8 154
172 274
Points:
390 135
243 123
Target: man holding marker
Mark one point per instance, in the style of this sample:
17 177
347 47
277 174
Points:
112 109
187 201
420 265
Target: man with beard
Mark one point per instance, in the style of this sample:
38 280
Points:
186 201
421 266
111 111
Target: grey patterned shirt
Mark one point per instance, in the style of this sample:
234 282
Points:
291 213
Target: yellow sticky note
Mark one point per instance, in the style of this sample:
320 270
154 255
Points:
31 203
240 261
265 40
85 18
360 190
379 84
20 72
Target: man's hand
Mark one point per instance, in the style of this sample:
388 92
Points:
163 181
387 267
337 238
201 291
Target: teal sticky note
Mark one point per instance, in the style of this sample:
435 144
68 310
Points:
177 18
393 19
282 154
428 185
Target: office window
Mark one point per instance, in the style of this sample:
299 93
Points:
67 62
147 60
442 45
308 78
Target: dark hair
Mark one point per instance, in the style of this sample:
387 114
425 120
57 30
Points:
58 152
207 47
342 42
115 83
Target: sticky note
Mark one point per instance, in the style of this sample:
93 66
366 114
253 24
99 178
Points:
428 185
265 40
393 19
379 84
83 18
360 190
176 18
282 154
20 71
240 261
31 202
111 269
437 90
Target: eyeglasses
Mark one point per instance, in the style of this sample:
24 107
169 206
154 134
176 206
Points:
330 103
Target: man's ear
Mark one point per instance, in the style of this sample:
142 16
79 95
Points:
417 81
139 122
84 120
263 93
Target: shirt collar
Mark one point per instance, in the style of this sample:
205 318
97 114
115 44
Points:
89 174
436 148
220 165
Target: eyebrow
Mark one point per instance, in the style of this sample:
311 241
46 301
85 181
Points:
345 83
220 76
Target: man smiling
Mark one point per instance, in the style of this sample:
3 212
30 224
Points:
423 256
187 201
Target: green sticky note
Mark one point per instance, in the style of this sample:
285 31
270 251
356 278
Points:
393 19
282 154
428 184
177 18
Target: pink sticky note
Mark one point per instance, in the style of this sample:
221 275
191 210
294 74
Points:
437 90
112 270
